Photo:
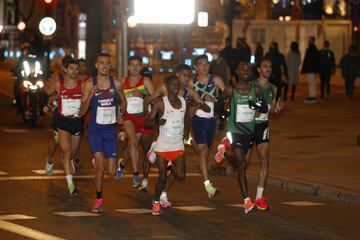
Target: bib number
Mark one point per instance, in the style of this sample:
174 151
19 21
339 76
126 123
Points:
203 114
106 115
70 107
174 128
244 114
135 105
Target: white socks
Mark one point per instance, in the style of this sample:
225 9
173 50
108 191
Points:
206 182
69 179
259 192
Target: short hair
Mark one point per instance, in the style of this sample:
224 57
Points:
170 78
181 67
81 60
263 60
135 58
67 60
103 54
198 58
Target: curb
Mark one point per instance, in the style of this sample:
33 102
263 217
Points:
296 185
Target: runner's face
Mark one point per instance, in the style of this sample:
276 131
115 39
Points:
103 65
72 71
184 76
265 69
244 72
173 87
82 67
134 67
202 67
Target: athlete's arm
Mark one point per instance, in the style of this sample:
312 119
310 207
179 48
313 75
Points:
151 120
273 103
261 105
187 122
219 83
160 92
195 95
88 91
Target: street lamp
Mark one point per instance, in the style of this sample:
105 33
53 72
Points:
47 26
21 26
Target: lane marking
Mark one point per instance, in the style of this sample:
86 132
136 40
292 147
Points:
24 231
303 203
77 214
42 171
3 91
194 208
21 178
15 130
236 205
3 173
134 210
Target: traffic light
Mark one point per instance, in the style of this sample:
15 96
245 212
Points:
48 2
48 5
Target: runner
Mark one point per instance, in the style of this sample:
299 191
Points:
241 122
204 123
170 144
262 133
102 95
137 89
69 122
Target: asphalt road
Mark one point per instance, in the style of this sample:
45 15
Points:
34 206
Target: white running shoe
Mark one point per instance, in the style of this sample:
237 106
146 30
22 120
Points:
151 155
164 201
49 168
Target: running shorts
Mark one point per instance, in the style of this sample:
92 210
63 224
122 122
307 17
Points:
261 132
170 156
72 125
139 123
104 141
244 141
204 130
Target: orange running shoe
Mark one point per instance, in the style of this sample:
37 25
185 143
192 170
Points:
98 206
249 206
261 204
226 142
155 208
219 156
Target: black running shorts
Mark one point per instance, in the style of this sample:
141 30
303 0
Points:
262 133
73 125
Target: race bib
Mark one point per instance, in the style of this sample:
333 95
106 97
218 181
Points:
106 115
135 105
244 113
201 113
174 128
70 107
264 116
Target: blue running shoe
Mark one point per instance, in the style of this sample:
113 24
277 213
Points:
119 173
136 181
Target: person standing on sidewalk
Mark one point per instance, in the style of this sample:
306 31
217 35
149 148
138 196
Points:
326 68
103 94
350 68
311 68
293 61
241 123
204 123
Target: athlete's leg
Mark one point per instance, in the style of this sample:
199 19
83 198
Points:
75 145
146 141
203 152
162 163
179 166
133 144
99 170
263 153
65 145
111 166
241 176
52 147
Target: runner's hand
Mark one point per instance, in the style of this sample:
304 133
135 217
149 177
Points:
209 98
279 105
162 122
119 120
205 108
46 108
93 90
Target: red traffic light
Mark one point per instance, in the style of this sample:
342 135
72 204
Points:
48 1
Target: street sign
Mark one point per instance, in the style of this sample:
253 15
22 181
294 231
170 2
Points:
47 26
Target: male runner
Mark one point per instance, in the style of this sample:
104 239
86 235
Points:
136 88
204 123
170 143
69 122
241 122
102 95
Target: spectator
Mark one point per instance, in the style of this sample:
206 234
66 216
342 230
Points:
326 68
350 66
293 61
311 68
279 69
228 53
220 68
259 53
243 51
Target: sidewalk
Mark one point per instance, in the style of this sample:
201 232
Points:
313 148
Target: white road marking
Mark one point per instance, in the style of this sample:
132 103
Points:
15 130
24 231
3 173
303 203
5 93
76 214
236 205
42 172
21 178
134 210
194 208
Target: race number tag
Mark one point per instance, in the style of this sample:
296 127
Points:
174 128
135 105
203 114
264 116
106 115
70 107
244 113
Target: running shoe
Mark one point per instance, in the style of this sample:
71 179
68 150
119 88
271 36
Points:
49 168
144 186
73 189
119 173
211 191
156 208
261 204
164 201
226 142
98 206
249 206
151 155
169 168
77 165
219 156
136 181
